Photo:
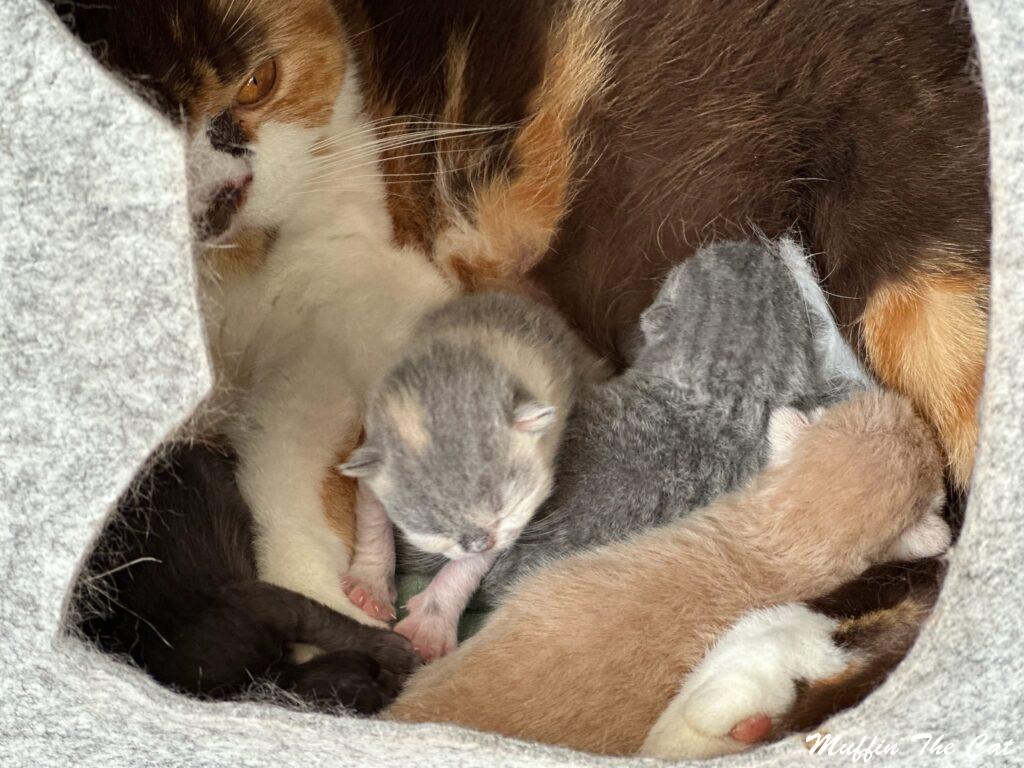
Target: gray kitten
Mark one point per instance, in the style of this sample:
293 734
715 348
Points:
460 450
735 333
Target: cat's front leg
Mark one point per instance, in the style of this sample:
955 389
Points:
433 621
370 582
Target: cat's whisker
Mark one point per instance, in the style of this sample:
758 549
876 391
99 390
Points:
406 121
332 163
242 14
417 136
345 173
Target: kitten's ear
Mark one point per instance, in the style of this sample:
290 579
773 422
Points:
655 319
364 462
785 426
533 416
928 537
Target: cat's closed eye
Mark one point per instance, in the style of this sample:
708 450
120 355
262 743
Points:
259 85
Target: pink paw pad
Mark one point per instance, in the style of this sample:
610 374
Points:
752 730
367 599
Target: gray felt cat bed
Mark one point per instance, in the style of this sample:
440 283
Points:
102 355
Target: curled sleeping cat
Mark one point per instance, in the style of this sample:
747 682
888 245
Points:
739 330
602 639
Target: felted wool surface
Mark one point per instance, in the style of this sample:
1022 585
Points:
101 356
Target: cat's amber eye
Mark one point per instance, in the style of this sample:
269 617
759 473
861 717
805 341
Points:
259 85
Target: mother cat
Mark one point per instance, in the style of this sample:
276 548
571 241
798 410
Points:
635 131
626 133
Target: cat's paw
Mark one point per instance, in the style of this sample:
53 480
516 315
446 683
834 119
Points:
373 595
431 632
745 683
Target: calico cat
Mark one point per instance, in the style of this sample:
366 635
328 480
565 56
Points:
624 134
601 142
306 297
601 639
172 584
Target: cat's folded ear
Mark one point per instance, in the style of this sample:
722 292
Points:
785 426
533 416
364 462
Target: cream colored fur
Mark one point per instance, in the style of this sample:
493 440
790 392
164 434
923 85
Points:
590 651
300 341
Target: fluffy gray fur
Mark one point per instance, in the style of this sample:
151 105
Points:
739 330
462 434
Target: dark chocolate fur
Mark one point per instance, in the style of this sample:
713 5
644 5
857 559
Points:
172 584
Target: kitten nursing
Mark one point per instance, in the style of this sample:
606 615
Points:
460 450
602 639
566 161
735 333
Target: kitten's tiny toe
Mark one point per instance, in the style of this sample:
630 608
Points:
372 600
431 635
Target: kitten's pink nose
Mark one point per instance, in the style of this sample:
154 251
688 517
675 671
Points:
477 542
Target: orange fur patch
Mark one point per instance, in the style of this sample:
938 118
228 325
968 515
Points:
515 216
338 494
925 336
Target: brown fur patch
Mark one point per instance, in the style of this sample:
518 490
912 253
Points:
882 611
308 41
925 335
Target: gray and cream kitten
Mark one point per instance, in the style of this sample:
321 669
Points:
460 451
735 333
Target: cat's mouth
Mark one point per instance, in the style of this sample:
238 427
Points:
224 204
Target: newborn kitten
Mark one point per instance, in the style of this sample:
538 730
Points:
601 639
739 330
172 583
460 446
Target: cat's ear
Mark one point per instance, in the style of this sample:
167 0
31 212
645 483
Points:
533 416
655 320
928 537
785 426
364 462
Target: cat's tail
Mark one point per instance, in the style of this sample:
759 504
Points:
838 362
248 631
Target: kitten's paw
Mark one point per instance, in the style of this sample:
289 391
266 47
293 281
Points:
431 633
748 680
374 597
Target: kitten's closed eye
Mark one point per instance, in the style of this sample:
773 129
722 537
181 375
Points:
259 86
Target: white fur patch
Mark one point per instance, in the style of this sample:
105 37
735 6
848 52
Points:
752 670
928 537
838 359
302 341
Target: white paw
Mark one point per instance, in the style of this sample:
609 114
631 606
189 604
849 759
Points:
745 682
